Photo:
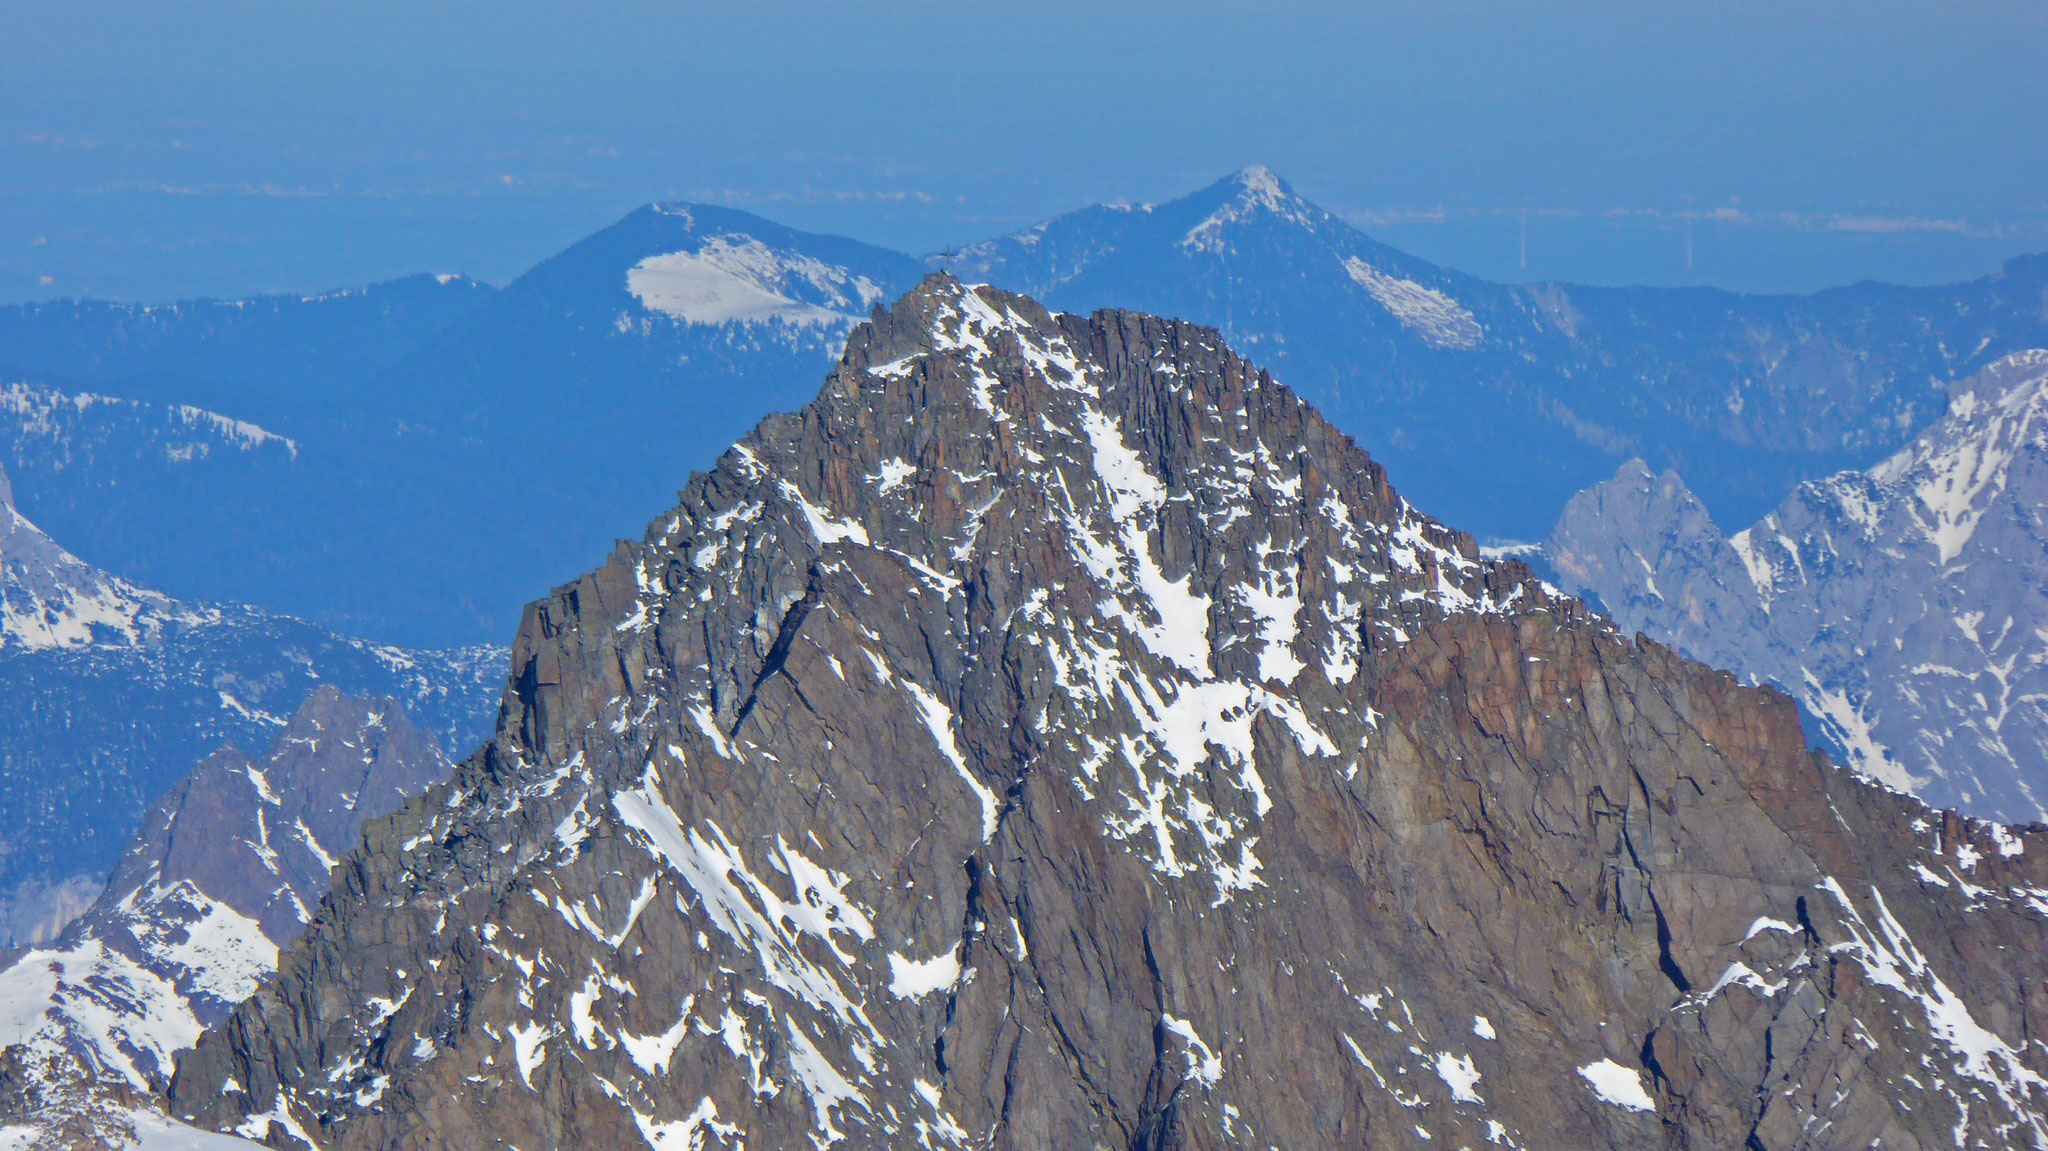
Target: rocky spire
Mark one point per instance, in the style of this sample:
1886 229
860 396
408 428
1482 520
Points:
227 868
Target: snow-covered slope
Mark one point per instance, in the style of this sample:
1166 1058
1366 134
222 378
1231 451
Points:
738 279
1906 606
228 868
115 689
50 598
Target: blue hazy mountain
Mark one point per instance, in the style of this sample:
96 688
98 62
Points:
525 439
112 427
455 450
1494 404
115 690
269 360
427 455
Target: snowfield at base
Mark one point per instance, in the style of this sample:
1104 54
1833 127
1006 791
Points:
1618 1085
153 1132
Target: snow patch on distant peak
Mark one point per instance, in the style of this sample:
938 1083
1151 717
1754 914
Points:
1259 180
1259 193
50 598
739 279
1439 320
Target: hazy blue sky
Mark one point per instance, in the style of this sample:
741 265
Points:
152 150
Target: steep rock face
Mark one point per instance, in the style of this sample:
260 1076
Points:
1905 605
116 689
1057 735
227 869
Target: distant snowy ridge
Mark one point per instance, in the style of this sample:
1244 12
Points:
50 598
1905 606
192 432
1958 472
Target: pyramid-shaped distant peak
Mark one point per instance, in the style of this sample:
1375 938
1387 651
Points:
1261 182
1249 196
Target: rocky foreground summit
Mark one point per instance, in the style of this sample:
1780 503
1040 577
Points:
1057 735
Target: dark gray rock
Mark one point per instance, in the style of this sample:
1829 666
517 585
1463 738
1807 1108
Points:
1056 735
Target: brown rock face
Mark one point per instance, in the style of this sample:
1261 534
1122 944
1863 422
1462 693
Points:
1057 736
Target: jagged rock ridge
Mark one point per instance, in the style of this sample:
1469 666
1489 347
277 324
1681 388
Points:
1057 735
226 870
1906 606
116 689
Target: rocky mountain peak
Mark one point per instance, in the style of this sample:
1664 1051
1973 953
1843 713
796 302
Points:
261 836
1251 197
227 869
1903 605
1057 735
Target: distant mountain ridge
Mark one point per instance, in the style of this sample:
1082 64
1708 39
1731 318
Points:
115 689
1906 606
228 867
265 358
1499 402
588 387
540 414
170 495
